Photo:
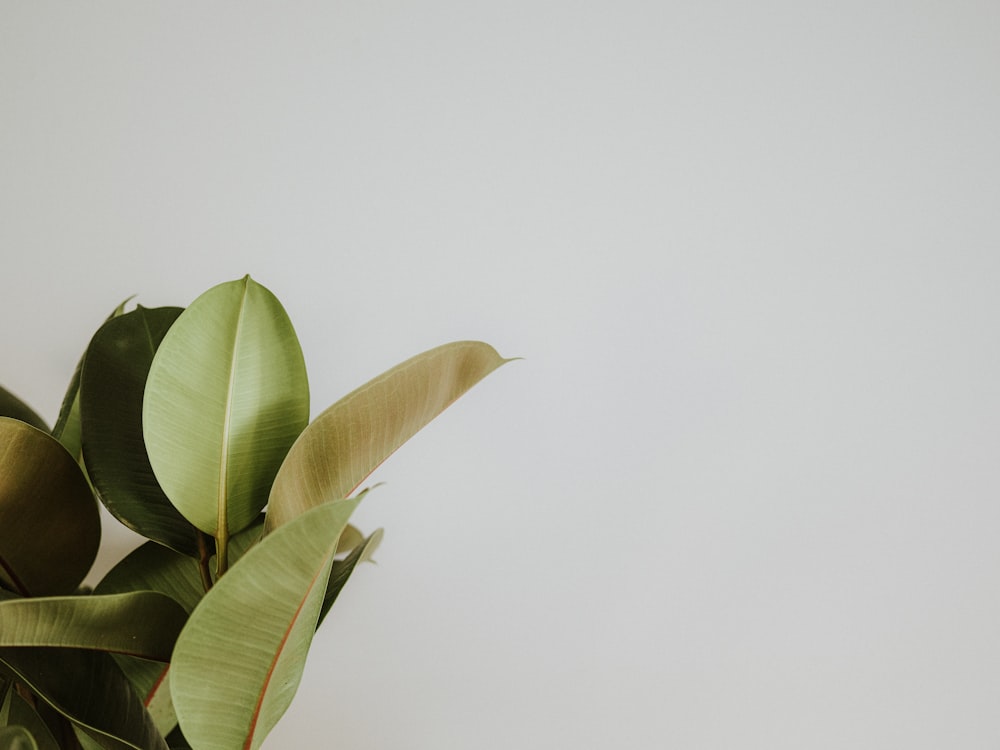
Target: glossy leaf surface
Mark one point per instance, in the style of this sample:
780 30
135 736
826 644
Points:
225 398
111 390
230 691
348 441
12 406
49 523
139 623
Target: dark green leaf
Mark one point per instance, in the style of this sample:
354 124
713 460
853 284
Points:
111 389
87 688
49 523
17 738
342 570
12 406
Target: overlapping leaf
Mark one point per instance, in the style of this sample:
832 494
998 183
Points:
111 389
12 406
17 738
230 691
345 443
138 623
49 523
88 689
225 398
17 712
154 567
67 429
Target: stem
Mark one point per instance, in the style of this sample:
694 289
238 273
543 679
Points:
204 555
221 553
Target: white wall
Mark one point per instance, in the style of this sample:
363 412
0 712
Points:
743 491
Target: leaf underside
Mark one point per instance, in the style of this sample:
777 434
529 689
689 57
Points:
348 441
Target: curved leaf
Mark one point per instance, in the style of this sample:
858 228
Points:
139 623
67 429
341 570
230 691
12 406
111 389
50 527
225 398
156 568
22 714
348 441
88 689
17 738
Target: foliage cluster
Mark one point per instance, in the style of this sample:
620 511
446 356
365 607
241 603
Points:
192 427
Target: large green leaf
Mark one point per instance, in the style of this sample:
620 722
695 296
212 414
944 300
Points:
87 688
348 441
12 406
50 527
139 623
239 660
111 389
226 397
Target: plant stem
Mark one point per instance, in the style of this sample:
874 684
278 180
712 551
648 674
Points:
204 555
221 553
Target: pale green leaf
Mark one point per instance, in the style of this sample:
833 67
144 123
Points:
345 443
139 623
225 398
50 527
229 690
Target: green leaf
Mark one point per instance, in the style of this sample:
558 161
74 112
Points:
341 570
68 426
21 714
50 527
87 688
12 406
156 568
111 390
348 441
230 690
139 623
17 738
226 397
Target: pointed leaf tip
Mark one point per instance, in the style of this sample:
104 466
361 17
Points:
348 441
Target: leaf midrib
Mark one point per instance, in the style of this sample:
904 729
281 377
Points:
222 529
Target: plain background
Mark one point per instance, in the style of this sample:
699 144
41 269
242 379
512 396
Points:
742 492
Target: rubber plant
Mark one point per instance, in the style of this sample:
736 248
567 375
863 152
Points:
192 427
